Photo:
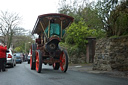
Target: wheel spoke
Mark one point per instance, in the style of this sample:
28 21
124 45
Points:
64 61
62 64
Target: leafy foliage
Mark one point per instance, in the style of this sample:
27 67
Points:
87 23
22 42
101 19
119 20
18 49
77 34
86 11
114 16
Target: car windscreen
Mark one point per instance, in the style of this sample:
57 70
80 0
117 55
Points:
18 55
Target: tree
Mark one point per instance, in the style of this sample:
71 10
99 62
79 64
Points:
19 31
70 8
18 49
23 42
87 23
104 8
119 19
8 23
91 17
84 10
114 16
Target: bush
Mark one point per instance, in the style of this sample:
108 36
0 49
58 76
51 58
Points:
77 34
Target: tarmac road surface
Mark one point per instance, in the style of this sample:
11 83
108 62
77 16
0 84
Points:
23 75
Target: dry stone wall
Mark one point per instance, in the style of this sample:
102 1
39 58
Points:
111 54
77 59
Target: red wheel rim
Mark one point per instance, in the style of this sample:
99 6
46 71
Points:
62 63
37 61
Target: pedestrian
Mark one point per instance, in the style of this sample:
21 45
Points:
3 50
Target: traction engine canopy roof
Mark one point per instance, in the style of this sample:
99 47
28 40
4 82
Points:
44 19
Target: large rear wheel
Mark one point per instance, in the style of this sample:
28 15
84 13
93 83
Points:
38 61
32 61
33 57
64 61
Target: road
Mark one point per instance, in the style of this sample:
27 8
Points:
22 75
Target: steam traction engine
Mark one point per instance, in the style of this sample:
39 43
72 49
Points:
50 29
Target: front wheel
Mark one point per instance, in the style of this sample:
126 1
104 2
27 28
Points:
33 57
64 61
32 61
38 61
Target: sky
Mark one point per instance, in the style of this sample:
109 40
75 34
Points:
29 10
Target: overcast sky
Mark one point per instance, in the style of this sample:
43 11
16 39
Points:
29 9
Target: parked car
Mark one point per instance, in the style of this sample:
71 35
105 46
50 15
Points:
19 57
10 59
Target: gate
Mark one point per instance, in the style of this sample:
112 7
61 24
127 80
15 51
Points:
90 50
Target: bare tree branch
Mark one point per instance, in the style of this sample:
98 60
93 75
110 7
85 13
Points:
8 23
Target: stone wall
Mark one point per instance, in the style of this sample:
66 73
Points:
111 54
75 59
